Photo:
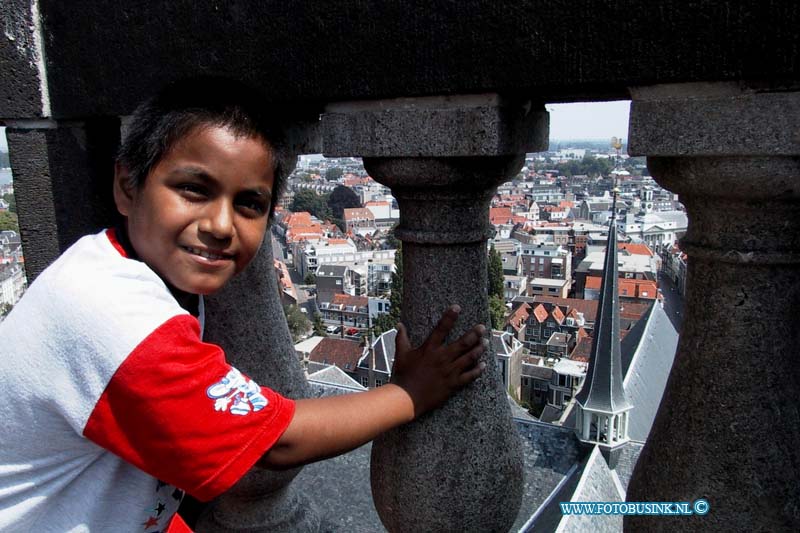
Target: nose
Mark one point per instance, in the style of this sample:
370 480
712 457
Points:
217 220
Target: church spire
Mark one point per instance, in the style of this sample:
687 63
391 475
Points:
602 405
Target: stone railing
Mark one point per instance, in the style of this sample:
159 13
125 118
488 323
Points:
728 425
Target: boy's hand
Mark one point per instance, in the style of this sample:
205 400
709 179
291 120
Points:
431 373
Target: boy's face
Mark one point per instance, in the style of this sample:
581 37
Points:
200 216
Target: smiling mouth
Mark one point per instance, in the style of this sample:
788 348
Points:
211 256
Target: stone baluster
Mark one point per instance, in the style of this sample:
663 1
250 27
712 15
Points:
458 468
246 318
728 426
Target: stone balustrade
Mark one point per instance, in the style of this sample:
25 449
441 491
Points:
728 426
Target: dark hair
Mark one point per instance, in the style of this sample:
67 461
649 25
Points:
180 107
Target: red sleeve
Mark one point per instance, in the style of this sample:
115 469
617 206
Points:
178 411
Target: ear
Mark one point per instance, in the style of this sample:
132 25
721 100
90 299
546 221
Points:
123 195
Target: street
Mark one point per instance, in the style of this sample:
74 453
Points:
673 301
304 299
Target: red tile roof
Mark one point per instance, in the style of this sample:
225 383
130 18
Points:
558 315
583 350
636 249
346 299
587 307
540 313
518 317
632 288
358 213
337 352
500 215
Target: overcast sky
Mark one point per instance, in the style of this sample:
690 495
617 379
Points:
596 120
3 145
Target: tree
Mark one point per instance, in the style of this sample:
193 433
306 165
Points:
298 323
495 266
396 298
333 173
392 242
497 312
319 327
383 323
11 201
340 199
8 221
308 200
310 279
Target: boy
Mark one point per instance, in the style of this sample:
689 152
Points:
111 402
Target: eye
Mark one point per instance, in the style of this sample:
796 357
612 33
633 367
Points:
252 204
192 191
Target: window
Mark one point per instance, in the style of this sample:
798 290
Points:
338 282
364 381
567 398
378 382
552 289
547 333
525 381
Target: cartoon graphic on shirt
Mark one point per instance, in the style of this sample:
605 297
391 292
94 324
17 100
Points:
243 392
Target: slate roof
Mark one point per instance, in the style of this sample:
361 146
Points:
550 413
333 375
384 352
626 461
331 271
648 352
340 487
537 372
596 485
591 481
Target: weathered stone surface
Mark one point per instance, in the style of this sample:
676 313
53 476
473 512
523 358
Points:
713 125
63 180
468 447
246 319
104 56
486 125
20 87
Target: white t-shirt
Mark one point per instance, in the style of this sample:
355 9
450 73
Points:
106 389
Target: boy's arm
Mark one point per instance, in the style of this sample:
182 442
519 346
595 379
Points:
422 379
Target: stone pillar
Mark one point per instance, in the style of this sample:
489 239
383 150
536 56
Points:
63 177
728 426
458 468
246 319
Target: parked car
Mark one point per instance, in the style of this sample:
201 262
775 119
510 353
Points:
333 329
351 331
